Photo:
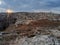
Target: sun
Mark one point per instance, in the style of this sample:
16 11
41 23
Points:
9 11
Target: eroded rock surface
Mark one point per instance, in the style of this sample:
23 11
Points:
38 29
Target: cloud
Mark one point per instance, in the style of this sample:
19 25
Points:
41 10
53 10
2 2
2 9
24 6
31 5
47 6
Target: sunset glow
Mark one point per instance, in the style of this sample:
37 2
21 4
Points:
9 11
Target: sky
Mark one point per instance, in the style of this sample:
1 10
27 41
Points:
30 5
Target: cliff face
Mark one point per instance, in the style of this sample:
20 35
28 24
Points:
30 29
6 21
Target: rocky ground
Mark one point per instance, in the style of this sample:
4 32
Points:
30 29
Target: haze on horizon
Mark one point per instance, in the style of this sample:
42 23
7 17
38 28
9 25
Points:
30 5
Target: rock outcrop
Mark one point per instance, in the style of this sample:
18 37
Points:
30 29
